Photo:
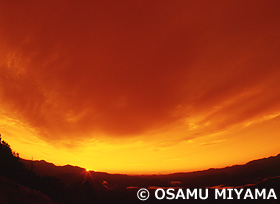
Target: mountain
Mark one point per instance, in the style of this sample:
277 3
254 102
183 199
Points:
25 181
67 174
253 172
122 188
45 168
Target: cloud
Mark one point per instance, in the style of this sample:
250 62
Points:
124 69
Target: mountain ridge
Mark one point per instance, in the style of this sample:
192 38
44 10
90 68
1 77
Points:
26 161
253 171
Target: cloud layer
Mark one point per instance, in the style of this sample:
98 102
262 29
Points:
124 69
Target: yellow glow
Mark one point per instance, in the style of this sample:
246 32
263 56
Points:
145 155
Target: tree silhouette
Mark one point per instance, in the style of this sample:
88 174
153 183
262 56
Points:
11 167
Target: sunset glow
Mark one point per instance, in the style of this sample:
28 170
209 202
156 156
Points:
140 87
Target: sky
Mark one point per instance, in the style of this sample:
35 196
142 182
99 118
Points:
140 86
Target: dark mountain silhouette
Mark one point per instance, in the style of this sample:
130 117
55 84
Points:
68 174
25 181
45 168
253 172
19 184
262 173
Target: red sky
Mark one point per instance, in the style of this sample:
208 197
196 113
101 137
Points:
140 86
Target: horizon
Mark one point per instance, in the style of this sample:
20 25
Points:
150 174
28 181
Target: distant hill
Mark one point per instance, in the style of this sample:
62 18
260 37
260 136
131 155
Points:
45 168
121 188
24 181
253 172
19 184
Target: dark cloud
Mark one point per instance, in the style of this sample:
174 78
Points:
126 68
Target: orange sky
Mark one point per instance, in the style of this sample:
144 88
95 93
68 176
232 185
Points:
140 86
